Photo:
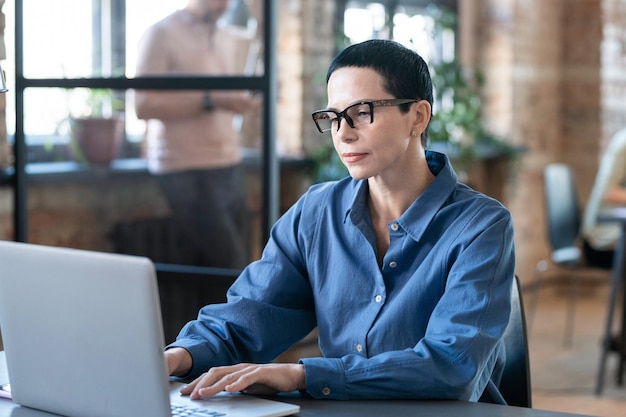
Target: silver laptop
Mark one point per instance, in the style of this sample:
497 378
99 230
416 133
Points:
83 337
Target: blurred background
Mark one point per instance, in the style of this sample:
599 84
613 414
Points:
519 84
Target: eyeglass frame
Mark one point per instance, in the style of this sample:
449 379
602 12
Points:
371 103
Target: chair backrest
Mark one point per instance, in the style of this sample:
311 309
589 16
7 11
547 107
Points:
513 387
562 209
515 383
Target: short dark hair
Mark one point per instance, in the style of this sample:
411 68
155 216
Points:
404 71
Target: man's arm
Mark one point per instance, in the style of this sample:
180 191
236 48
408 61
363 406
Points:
153 104
615 195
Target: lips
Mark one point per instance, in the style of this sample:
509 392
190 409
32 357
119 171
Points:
352 157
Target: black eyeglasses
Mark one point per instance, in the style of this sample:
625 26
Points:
355 114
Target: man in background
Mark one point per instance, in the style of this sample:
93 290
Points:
192 147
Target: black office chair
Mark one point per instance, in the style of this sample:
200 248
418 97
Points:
514 386
563 224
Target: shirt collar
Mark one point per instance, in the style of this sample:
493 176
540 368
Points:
419 214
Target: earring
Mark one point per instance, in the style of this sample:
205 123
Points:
413 133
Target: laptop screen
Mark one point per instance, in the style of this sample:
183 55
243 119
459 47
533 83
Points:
83 336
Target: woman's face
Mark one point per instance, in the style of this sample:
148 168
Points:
384 146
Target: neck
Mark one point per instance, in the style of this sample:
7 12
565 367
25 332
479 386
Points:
389 197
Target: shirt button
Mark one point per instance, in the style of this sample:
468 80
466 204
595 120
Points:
359 348
394 227
393 264
326 391
378 298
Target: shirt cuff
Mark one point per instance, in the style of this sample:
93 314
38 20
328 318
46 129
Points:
196 351
325 378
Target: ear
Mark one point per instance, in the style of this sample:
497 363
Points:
422 112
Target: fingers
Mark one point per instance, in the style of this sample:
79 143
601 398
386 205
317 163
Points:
213 381
238 102
252 379
248 378
246 102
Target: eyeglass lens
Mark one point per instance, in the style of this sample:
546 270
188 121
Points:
356 114
359 113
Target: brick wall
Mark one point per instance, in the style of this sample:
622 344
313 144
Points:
542 63
613 59
544 87
305 45
554 84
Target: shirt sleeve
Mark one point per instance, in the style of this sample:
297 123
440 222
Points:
269 308
458 353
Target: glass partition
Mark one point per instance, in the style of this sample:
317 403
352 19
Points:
94 167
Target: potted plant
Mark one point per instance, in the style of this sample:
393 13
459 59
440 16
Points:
456 128
97 132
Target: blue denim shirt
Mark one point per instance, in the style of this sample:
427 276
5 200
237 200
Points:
427 325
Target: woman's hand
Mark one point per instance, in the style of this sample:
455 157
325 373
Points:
247 378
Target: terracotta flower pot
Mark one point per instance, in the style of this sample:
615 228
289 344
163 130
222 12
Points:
96 140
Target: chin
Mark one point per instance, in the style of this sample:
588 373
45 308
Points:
358 174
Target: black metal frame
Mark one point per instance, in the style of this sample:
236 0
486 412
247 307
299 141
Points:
266 84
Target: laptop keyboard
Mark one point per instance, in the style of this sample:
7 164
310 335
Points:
188 411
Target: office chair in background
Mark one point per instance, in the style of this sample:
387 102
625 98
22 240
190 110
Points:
563 230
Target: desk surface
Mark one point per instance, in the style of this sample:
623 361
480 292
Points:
614 215
375 408
332 408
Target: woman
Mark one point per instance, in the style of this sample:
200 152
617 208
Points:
405 272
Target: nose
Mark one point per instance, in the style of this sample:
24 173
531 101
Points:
344 131
347 119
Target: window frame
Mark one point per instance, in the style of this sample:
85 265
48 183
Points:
266 84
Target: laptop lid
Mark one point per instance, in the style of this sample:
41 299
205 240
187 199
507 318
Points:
82 331
83 336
